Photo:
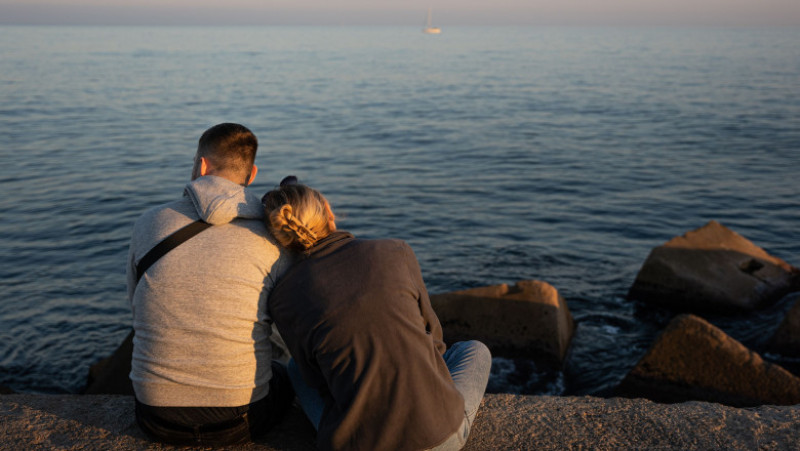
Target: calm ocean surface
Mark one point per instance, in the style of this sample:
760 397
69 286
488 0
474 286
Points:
499 154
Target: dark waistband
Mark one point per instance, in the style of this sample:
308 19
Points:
143 411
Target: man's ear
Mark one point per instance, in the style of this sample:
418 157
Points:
253 173
203 166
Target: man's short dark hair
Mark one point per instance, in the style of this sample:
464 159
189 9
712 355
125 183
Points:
230 147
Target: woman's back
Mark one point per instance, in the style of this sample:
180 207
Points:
358 322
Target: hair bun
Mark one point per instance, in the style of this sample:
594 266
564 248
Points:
287 222
297 215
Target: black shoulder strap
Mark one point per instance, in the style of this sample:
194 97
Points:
167 244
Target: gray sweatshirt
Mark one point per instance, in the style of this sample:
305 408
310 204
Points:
200 312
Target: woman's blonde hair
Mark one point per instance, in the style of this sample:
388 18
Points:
297 215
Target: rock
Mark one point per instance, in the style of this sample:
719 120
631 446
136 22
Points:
6 391
786 340
529 319
693 360
102 422
110 375
713 268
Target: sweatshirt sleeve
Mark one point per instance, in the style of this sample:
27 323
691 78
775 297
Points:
434 328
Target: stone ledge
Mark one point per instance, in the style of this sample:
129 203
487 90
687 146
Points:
101 422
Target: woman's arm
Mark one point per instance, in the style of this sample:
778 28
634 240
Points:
432 325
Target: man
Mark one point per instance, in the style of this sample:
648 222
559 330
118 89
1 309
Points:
202 367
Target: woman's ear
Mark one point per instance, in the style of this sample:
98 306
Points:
331 217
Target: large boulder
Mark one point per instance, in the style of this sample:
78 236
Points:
528 319
713 269
787 338
694 360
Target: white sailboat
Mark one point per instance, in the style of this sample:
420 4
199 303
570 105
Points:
429 29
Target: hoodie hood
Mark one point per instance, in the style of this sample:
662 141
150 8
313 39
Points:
219 200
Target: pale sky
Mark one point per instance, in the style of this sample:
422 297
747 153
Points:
405 12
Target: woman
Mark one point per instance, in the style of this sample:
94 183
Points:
369 364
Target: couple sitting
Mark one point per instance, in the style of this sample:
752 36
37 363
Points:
369 366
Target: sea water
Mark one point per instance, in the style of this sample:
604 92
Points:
499 154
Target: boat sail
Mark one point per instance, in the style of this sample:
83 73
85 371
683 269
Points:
429 29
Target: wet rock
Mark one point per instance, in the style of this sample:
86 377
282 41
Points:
528 319
786 340
110 375
713 269
694 360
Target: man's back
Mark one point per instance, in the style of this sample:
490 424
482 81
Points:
201 332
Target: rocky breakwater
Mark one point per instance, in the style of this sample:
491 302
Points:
713 269
709 269
692 360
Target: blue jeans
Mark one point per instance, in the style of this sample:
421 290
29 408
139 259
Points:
469 363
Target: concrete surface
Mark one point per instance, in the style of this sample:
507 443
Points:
505 422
